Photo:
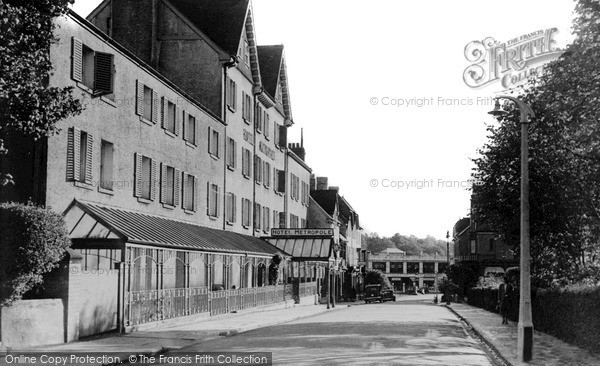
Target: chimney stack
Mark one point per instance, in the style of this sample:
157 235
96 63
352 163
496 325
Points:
322 184
312 182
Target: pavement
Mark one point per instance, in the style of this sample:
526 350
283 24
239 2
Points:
169 338
547 350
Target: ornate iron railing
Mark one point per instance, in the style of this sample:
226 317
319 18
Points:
155 305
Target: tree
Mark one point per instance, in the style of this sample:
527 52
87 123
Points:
564 161
32 242
374 277
28 105
376 244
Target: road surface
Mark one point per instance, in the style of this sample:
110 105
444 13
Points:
401 333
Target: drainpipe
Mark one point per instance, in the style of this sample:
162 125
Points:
256 91
231 63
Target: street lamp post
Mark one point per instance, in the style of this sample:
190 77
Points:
525 325
448 251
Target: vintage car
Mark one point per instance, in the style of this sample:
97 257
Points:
376 293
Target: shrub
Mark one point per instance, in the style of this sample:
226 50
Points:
570 313
32 242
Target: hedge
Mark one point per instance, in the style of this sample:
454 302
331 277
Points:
571 314
32 242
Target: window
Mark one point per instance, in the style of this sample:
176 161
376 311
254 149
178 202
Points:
80 147
189 132
380 266
213 142
282 219
266 219
231 208
473 246
275 219
106 165
213 200
145 177
147 103
231 153
293 221
171 118
267 175
257 218
190 193
246 209
246 163
231 94
280 135
258 168
258 114
396 267
93 69
246 108
302 223
280 180
267 125
169 185
428 267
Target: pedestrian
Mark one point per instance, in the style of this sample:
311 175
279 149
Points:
504 298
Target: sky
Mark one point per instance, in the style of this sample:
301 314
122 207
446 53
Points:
378 89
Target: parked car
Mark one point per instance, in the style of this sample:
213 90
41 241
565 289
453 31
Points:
376 293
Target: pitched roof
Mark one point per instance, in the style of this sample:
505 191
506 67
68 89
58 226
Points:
222 20
326 198
86 220
270 58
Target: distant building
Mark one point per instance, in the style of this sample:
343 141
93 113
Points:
328 209
407 272
478 246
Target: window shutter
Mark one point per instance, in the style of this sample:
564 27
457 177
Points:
103 73
218 201
233 207
209 138
195 194
77 60
89 159
184 192
208 198
139 110
137 192
186 132
163 182
178 118
176 188
275 176
155 106
73 145
165 111
195 131
153 179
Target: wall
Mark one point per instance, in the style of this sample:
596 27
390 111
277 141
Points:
116 121
32 323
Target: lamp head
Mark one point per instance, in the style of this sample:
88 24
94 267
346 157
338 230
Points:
498 111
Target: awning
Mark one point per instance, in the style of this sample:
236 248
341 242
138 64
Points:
317 249
87 220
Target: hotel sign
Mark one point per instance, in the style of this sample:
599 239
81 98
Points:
302 232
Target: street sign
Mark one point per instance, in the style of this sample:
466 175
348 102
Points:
302 232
